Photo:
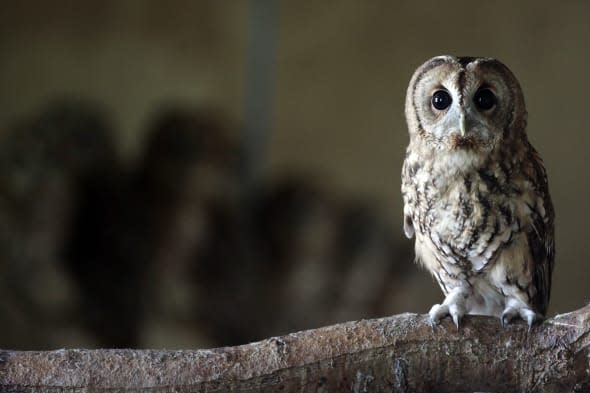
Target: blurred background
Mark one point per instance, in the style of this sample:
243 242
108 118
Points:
187 174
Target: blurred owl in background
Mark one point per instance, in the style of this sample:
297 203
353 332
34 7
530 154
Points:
44 160
475 191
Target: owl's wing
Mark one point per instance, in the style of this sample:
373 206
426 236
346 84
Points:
408 226
541 237
409 197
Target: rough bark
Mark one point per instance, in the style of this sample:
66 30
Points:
402 353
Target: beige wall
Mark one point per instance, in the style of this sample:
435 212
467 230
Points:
342 70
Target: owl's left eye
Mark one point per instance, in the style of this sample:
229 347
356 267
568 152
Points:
484 99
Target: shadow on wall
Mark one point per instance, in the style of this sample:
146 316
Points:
170 252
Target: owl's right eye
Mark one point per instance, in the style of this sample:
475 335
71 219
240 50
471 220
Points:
441 100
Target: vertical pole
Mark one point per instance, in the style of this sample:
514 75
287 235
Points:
259 88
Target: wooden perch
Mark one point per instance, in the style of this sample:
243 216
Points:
401 353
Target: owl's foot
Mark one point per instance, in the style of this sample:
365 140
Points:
453 306
439 311
517 309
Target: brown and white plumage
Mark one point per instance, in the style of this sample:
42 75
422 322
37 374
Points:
475 191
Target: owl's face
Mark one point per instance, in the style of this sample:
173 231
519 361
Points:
464 103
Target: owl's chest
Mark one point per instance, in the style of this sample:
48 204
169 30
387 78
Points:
467 217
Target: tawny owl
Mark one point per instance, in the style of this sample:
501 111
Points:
475 191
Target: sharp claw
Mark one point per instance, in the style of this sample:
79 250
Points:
511 312
507 316
456 314
452 309
530 319
456 320
432 324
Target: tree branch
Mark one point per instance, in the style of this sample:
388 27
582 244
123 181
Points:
401 353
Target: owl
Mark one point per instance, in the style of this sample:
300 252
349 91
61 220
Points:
475 191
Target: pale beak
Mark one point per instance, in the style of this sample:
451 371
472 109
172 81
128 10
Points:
462 124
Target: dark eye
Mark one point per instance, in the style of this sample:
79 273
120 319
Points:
441 100
484 99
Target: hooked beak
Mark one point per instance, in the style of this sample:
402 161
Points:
460 139
462 124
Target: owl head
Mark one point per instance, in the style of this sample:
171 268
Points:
464 104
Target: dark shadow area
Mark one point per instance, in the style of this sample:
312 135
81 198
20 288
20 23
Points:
170 250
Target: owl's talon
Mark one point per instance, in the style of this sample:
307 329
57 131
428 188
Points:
508 315
432 324
525 313
529 316
456 321
456 314
452 309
